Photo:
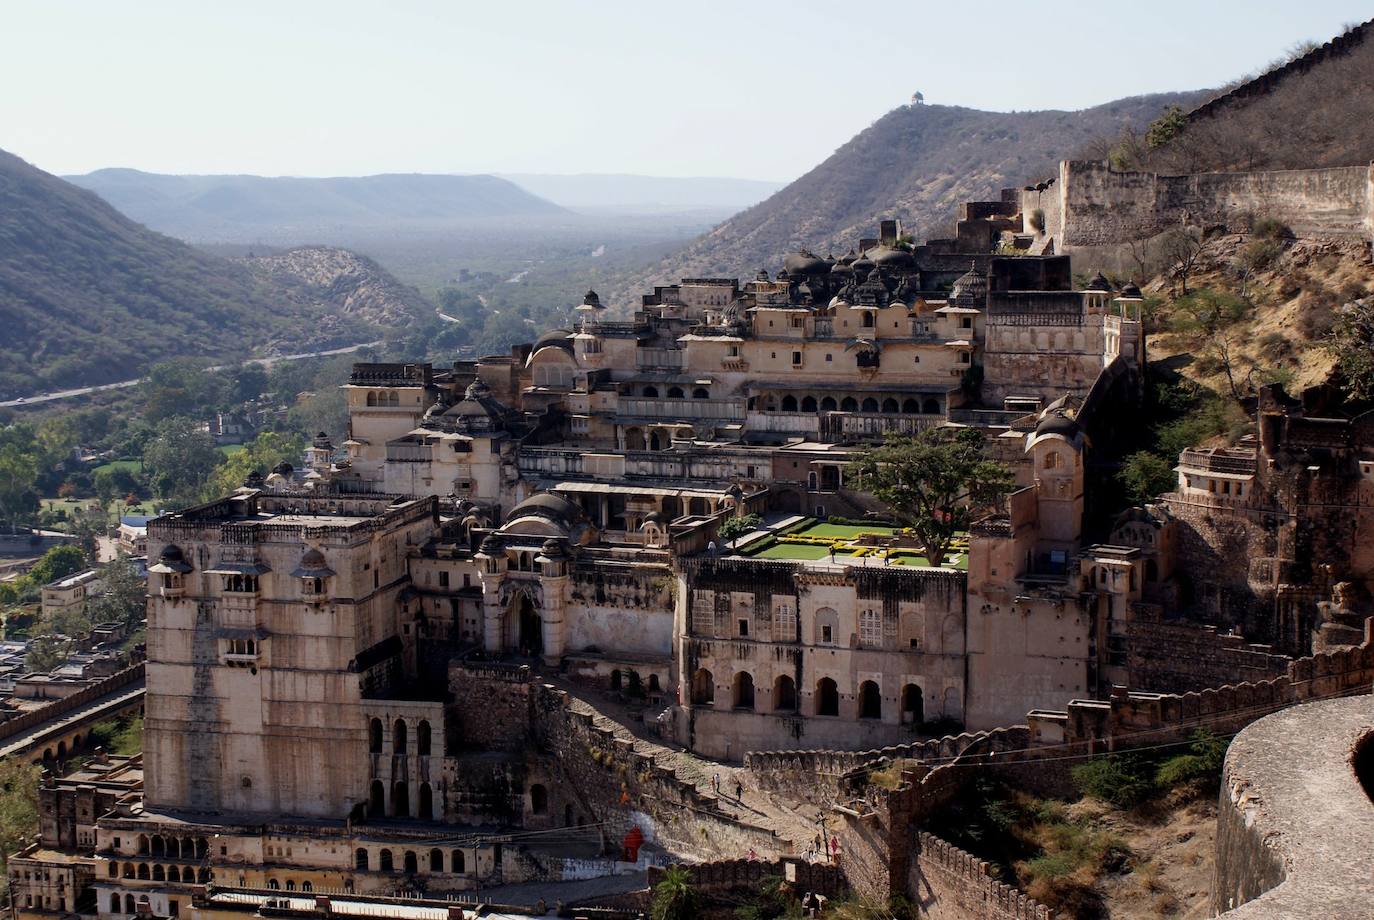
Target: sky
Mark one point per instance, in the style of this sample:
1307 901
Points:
762 90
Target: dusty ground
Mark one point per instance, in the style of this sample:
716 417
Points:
1171 870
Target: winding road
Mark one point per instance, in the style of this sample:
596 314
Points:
265 362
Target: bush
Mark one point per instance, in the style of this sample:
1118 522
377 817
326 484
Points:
1202 763
1116 779
1146 475
1271 228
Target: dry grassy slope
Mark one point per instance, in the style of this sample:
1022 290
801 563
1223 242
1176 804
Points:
357 289
1173 847
1295 301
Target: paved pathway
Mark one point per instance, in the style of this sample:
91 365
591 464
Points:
94 711
529 893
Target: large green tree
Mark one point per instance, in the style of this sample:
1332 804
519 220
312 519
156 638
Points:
261 454
178 461
123 596
18 473
1352 344
934 483
18 805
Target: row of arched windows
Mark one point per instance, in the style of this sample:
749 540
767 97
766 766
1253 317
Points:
400 801
176 847
399 736
159 873
889 406
383 398
826 701
651 392
410 862
130 905
290 885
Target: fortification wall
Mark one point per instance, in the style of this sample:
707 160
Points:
1190 657
1104 207
951 884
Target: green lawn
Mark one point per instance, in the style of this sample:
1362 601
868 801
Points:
118 465
842 531
229 449
792 551
69 504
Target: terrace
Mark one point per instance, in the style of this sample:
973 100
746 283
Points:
810 540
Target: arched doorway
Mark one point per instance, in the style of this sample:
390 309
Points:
526 629
870 701
784 694
827 698
743 690
913 705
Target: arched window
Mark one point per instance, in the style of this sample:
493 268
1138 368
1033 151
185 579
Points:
808 404
143 845
870 404
700 393
143 870
422 737
398 737
436 860
290 884
273 884
372 399
128 870
1151 570
539 799
703 688
784 694
159 874
651 392
890 405
306 886
376 800
849 404
789 404
910 407
456 861
868 319
913 705
384 861
393 398
870 701
426 810
828 404
674 392
931 407
360 860
827 698
159 845
743 690
174 874
114 870
412 864
374 736
129 904
114 903
400 799
1052 460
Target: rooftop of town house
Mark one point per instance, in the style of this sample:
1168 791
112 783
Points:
345 510
837 546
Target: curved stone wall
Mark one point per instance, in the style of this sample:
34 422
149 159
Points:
1295 826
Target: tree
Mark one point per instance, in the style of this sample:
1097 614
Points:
179 460
261 454
45 652
18 805
18 470
58 562
1210 321
123 598
933 483
1166 127
1352 344
675 898
1146 475
1181 250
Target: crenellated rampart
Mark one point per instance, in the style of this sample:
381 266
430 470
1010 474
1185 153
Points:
955 885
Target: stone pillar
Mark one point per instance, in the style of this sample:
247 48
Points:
553 615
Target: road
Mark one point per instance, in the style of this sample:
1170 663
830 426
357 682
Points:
95 711
265 362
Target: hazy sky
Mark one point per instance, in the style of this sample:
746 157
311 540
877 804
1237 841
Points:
752 89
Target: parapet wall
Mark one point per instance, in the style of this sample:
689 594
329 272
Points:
955 885
1100 206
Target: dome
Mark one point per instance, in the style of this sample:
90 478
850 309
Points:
1099 284
841 268
313 559
312 565
848 259
971 289
171 553
761 276
548 505
653 517
1055 422
556 337
283 469
491 545
551 551
592 301
891 258
1130 292
477 402
862 264
805 263
171 561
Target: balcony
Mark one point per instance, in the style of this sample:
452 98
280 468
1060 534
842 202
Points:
682 409
659 359
1236 461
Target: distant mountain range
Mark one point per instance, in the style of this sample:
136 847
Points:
608 193
87 296
916 163
245 209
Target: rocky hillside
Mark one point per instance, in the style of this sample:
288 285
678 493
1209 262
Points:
917 163
353 289
251 209
1312 110
88 296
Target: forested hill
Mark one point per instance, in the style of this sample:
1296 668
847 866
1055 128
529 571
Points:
251 209
88 296
917 163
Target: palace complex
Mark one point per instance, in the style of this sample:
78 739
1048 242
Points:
378 674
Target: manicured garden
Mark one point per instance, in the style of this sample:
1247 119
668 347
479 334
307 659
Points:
850 544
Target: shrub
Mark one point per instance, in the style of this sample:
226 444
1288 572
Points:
1146 475
1202 763
1259 254
1116 779
1271 228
